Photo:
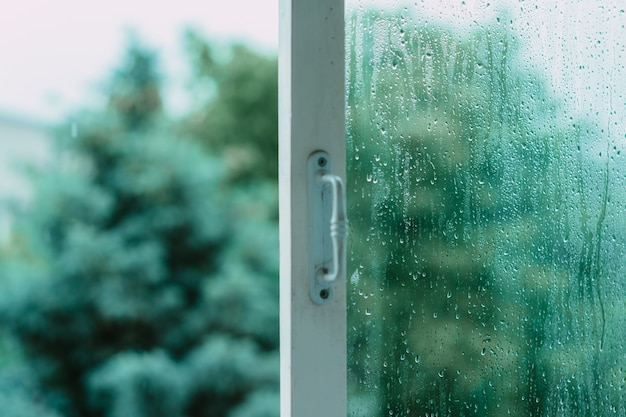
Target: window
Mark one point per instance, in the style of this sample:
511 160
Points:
485 188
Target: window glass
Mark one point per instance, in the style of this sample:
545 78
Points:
487 204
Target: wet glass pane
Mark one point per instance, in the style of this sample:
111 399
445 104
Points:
487 198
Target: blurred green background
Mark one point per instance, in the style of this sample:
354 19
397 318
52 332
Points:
142 277
487 212
486 243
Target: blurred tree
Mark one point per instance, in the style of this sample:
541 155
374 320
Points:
459 170
134 91
237 114
144 284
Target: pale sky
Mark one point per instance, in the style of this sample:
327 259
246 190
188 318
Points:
53 53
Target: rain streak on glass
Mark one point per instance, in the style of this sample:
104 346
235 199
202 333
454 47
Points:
487 201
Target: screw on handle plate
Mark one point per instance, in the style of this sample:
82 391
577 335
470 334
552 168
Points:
327 228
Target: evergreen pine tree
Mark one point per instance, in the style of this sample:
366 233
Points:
145 286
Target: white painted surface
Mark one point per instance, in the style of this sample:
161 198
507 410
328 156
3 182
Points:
312 117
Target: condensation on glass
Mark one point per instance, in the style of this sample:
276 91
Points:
487 205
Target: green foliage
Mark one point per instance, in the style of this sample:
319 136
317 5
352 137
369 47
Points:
458 164
18 395
240 117
144 283
134 91
15 404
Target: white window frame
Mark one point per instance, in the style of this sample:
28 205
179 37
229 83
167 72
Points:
312 118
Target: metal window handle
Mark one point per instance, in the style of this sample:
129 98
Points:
327 228
338 228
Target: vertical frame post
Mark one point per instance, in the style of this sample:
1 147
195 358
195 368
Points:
312 118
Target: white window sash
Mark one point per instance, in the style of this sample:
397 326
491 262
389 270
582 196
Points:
312 118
